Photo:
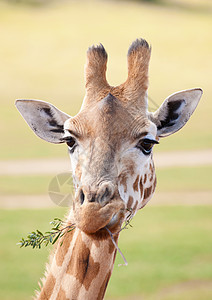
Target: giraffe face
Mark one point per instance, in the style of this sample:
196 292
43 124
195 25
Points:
111 139
110 147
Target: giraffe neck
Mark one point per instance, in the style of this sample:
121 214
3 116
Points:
81 267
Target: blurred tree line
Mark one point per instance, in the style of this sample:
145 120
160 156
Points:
28 2
44 2
200 5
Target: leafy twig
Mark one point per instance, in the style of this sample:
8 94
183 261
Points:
36 238
128 220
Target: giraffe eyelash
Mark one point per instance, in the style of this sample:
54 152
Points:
146 145
71 142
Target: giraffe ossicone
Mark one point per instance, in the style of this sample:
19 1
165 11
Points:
110 143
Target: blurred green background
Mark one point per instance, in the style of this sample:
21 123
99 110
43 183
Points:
42 55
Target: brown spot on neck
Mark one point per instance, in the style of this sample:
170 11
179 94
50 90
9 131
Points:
103 235
63 249
104 286
82 265
47 290
61 295
114 257
111 245
99 236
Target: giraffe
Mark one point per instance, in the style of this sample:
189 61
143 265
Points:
110 143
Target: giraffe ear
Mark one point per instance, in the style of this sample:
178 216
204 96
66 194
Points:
44 119
175 111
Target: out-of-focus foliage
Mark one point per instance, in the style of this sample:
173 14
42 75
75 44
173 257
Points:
184 4
29 2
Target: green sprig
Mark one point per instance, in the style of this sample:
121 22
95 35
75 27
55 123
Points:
36 238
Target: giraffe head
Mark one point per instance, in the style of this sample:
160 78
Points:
110 140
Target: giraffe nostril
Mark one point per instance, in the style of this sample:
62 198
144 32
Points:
93 198
89 194
106 193
82 197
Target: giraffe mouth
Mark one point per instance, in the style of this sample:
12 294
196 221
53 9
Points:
92 217
115 220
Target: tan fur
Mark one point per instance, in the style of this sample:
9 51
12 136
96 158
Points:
49 286
61 295
138 64
62 251
95 72
109 116
104 286
136 84
82 265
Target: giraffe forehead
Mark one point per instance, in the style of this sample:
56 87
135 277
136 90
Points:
112 115
109 119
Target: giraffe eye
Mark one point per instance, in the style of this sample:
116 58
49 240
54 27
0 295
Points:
146 145
71 142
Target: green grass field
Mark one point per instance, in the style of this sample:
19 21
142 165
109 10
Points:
42 56
168 250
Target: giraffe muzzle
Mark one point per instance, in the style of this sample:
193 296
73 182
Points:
93 210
